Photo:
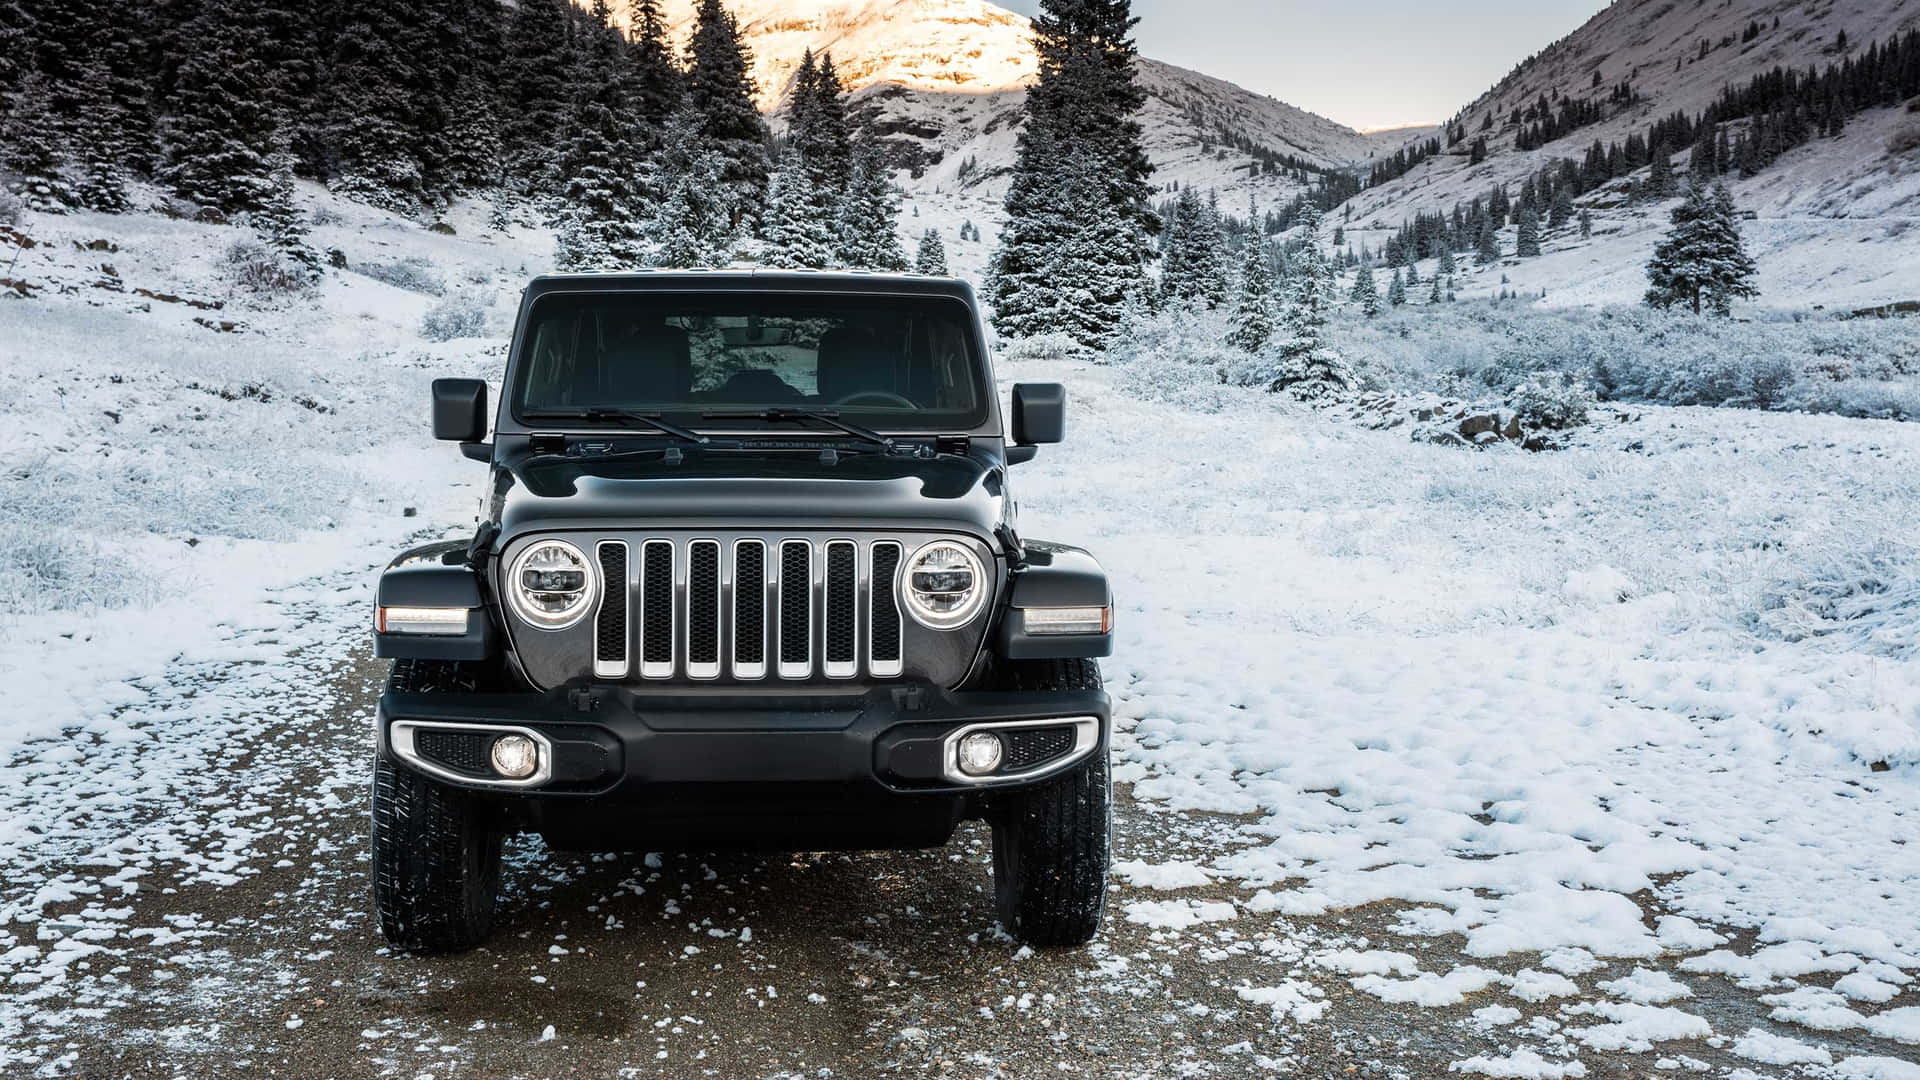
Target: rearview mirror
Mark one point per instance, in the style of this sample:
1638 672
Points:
460 410
1039 413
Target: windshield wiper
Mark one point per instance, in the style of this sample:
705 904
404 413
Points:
828 417
624 415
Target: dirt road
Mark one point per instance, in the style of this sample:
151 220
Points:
198 907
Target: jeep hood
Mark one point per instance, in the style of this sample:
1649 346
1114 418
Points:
950 491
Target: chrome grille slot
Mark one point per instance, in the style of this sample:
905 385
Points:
703 609
610 644
883 614
842 610
656 609
796 609
749 609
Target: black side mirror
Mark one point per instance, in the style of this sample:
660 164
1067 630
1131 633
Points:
1039 413
460 410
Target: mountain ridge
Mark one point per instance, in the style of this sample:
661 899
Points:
943 81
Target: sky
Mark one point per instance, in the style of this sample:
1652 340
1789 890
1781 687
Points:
1383 63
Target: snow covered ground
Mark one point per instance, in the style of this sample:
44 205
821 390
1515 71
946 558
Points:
1566 759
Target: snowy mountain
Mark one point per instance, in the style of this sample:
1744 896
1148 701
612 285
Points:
945 82
1818 211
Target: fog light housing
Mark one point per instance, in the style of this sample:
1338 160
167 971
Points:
515 757
1067 620
980 753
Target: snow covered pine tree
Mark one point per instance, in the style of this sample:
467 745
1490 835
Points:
1702 261
1079 183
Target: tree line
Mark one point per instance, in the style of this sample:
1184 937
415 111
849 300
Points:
639 153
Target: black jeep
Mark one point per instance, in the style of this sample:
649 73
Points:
747 576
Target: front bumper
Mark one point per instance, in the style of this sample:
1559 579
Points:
610 741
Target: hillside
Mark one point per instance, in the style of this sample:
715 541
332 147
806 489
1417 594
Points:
1818 211
944 80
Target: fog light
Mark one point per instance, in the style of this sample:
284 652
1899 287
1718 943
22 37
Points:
515 757
980 753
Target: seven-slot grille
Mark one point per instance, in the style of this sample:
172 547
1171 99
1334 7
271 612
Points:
792 608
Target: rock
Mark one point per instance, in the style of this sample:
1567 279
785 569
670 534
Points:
1512 431
1479 424
409 512
441 227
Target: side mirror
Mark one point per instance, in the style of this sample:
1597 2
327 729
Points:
460 410
1039 413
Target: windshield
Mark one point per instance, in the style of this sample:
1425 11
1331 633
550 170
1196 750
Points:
889 362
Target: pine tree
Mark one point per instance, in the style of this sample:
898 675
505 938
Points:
1080 181
61 45
1702 261
602 209
291 51
1253 311
534 99
1561 210
819 130
798 227
1586 224
219 130
1660 178
101 144
694 225
1488 249
1304 366
1438 292
654 83
720 92
1447 267
379 73
32 149
1192 260
475 157
280 225
1528 245
16 49
1366 292
1397 292
931 259
869 237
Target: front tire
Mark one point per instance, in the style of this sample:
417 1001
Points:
1052 844
436 849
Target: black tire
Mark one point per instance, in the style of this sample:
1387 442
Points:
1052 844
436 849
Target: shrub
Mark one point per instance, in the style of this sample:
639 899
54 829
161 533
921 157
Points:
1857 367
459 314
413 274
1551 399
255 268
1905 139
11 205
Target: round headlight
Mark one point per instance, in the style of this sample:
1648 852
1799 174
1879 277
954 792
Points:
551 585
943 585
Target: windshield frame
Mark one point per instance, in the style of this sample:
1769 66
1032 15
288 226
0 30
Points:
984 421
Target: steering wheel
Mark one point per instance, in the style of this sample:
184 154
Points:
886 397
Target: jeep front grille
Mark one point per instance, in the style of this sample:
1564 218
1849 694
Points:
793 608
